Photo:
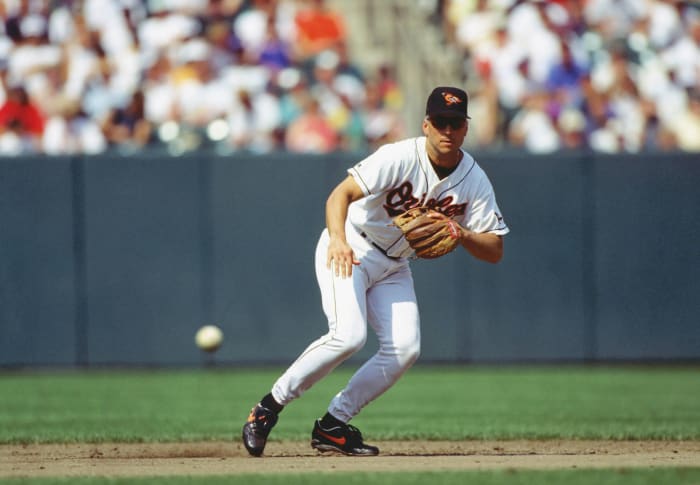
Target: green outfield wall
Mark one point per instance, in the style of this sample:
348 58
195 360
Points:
118 260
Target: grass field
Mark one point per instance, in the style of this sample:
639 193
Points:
510 477
429 403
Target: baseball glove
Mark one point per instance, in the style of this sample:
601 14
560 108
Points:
430 238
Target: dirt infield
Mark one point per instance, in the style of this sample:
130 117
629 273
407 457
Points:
228 458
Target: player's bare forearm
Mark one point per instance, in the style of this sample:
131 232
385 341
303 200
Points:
340 254
484 246
337 205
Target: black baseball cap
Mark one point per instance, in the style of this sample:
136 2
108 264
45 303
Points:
447 101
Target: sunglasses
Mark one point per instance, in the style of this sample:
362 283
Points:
442 122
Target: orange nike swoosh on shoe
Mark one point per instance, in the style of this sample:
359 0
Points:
339 441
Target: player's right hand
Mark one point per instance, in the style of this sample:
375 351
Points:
340 258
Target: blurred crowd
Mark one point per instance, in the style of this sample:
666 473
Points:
605 75
86 76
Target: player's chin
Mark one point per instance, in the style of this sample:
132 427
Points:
448 145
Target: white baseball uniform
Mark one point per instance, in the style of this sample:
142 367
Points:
380 291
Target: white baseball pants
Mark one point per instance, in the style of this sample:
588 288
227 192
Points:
380 292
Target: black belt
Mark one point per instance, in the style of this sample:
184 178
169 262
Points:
381 249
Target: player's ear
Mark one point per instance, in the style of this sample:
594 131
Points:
425 125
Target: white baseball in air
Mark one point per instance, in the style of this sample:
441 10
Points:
209 338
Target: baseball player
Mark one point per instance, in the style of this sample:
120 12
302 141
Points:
362 267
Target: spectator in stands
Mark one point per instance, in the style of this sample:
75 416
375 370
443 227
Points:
533 127
530 26
564 78
32 53
389 87
223 44
351 126
253 122
311 132
127 127
260 21
318 28
13 13
474 28
200 95
74 132
159 92
293 89
484 106
346 65
275 53
682 55
515 87
382 125
21 120
571 126
329 86
99 94
246 73
687 125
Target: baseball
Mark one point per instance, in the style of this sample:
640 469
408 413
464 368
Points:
209 338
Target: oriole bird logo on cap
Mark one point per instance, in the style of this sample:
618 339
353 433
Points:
450 98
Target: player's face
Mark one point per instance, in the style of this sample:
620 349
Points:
445 133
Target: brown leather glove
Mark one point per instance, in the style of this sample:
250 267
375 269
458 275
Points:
429 237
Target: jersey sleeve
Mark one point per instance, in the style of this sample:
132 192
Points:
483 214
378 171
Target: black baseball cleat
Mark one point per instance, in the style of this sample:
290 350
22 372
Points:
343 438
257 428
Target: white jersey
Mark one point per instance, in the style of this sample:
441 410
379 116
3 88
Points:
399 176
